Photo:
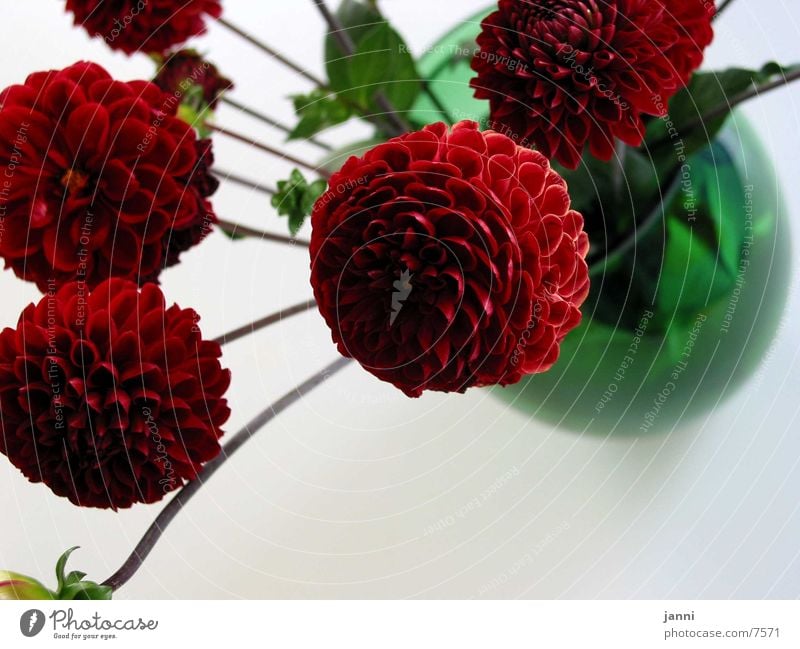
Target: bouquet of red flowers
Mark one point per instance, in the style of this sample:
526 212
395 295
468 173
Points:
539 199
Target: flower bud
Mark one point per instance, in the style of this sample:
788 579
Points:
70 586
16 586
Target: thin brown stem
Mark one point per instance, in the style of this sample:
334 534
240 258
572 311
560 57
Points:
271 52
184 495
723 5
268 149
244 182
244 231
262 323
270 121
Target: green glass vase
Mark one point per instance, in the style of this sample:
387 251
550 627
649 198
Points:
681 316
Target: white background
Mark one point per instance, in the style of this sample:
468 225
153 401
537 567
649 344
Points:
334 498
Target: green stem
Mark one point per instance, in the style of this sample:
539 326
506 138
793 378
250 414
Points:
618 171
640 231
185 494
426 88
745 95
724 109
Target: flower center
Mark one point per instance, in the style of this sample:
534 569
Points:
74 181
545 9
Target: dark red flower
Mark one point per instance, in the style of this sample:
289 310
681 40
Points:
150 26
445 260
186 69
101 179
110 398
563 74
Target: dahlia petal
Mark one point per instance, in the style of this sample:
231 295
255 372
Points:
93 445
60 98
570 60
472 252
88 127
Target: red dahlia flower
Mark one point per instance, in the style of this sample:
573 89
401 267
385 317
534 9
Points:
561 74
186 69
150 26
101 179
443 260
109 397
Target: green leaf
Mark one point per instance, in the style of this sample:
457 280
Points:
72 586
703 248
382 61
672 137
61 565
317 111
589 185
315 190
74 577
295 198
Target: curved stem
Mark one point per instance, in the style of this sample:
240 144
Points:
627 244
262 323
725 108
244 182
271 52
268 149
750 93
184 495
243 230
437 103
640 231
270 121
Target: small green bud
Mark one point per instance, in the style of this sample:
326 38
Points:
70 586
16 586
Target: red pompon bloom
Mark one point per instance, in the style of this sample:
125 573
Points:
443 260
185 69
564 74
110 398
150 26
101 179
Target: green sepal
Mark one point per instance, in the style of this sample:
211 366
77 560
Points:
318 111
295 198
